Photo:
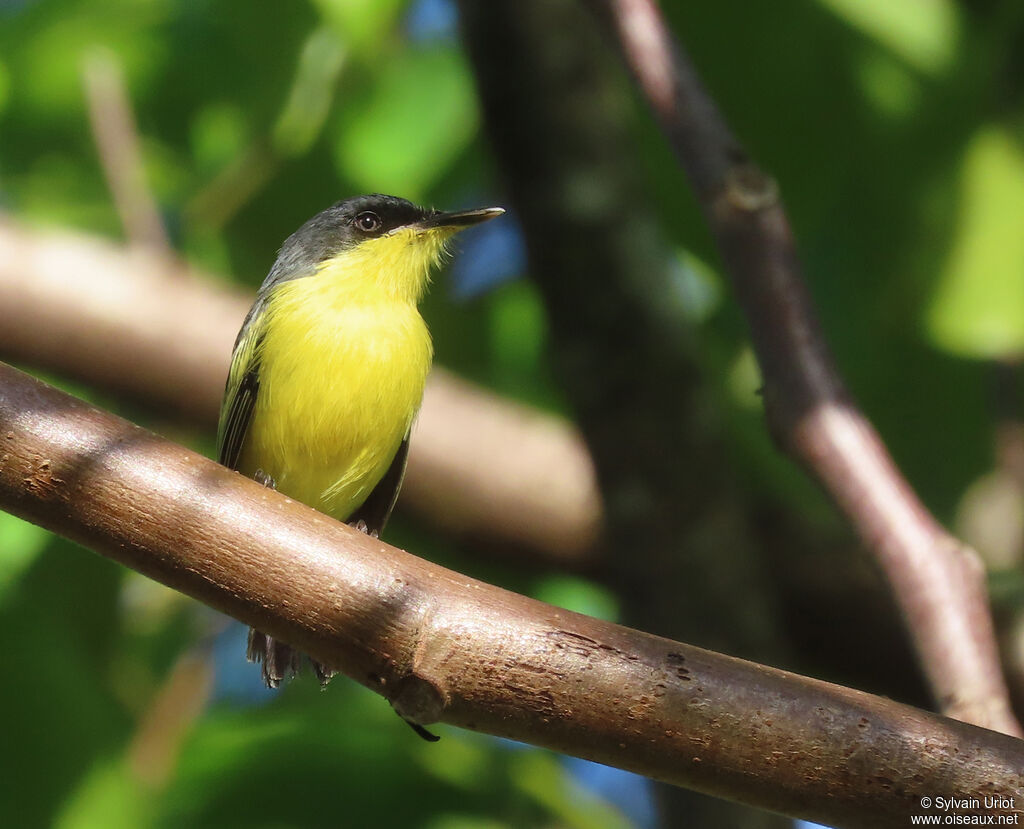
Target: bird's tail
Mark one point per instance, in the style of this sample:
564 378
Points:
279 659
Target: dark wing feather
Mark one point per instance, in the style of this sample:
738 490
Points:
241 390
376 509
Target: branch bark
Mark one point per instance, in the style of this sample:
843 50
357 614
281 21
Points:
481 467
938 581
444 647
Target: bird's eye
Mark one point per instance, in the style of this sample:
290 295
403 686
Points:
368 222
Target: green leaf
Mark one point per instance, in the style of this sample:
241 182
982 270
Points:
362 24
109 796
5 86
218 134
578 595
540 775
59 716
50 70
418 117
923 33
978 306
20 545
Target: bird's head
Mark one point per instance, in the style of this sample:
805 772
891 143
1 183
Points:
373 243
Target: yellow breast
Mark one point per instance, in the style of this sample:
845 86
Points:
341 379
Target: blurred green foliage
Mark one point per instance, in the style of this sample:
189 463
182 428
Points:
895 130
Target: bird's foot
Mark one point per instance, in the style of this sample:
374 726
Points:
278 659
362 526
264 479
323 673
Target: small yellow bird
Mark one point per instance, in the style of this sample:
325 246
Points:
327 373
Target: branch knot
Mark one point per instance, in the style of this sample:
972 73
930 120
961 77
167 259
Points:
418 699
750 189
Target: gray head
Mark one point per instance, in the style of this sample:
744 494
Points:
351 222
342 225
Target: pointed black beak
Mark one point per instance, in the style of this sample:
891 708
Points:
460 218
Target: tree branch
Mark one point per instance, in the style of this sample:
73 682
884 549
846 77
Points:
444 647
481 467
938 582
117 142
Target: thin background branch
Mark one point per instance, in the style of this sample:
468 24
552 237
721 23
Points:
938 581
444 647
117 141
681 549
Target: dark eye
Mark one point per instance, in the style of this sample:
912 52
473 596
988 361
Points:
368 222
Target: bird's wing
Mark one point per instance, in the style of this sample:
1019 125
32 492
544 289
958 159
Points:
376 509
242 387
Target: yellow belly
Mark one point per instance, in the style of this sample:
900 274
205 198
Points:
340 384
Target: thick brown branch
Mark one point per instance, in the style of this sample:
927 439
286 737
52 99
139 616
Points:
480 466
938 581
443 647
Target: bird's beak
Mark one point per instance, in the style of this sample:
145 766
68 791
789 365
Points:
459 219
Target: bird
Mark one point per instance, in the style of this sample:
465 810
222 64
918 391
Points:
328 370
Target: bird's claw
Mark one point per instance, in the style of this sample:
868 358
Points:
363 527
264 479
